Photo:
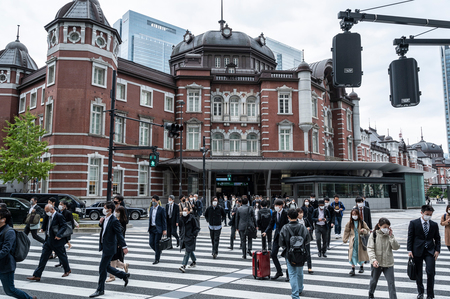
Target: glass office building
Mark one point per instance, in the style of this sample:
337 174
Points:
147 41
445 59
287 57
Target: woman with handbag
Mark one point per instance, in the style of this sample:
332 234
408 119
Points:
33 220
117 259
380 246
355 230
189 230
445 222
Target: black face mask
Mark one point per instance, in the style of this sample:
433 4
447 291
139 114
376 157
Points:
116 202
183 200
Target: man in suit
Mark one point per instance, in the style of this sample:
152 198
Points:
280 219
199 204
332 219
172 218
321 217
233 223
245 217
110 235
33 228
227 208
157 227
364 212
54 222
214 215
424 244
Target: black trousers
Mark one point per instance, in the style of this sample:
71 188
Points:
329 236
172 231
232 236
274 255
46 251
215 238
308 248
267 240
104 269
321 238
228 214
430 268
244 240
34 234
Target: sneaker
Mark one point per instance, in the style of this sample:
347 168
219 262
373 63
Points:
337 236
192 265
182 268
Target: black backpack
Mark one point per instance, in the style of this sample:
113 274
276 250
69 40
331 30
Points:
22 245
265 219
297 254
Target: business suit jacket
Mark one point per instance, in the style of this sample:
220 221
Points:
160 221
245 216
416 238
367 215
332 215
68 217
59 221
326 214
7 246
113 235
175 214
283 220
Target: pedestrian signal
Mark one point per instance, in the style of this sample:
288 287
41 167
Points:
154 159
404 80
346 50
173 129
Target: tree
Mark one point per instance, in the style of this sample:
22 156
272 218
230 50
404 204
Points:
434 191
20 158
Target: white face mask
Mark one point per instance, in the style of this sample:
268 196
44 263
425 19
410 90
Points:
313 199
31 203
385 230
327 204
105 211
60 207
170 201
355 217
214 203
277 209
426 217
184 213
49 214
117 215
360 204
321 207
306 203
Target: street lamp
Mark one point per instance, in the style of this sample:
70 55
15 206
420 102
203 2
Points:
204 150
180 188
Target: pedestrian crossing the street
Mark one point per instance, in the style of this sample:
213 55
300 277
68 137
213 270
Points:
228 276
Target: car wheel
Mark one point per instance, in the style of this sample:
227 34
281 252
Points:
94 215
135 215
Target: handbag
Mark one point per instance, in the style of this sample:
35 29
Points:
67 233
411 269
165 243
33 218
364 241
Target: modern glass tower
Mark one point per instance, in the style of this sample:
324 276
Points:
147 41
287 57
445 59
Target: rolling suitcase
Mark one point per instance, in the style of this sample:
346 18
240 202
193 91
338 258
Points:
261 264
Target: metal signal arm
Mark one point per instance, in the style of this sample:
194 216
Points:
402 44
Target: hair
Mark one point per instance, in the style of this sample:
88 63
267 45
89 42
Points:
382 222
239 200
321 202
34 198
214 197
448 207
110 206
278 202
299 210
122 214
245 201
5 213
359 199
336 196
65 203
155 197
53 200
313 195
51 207
427 208
3 205
359 216
326 198
181 197
292 214
171 197
305 200
264 203
119 197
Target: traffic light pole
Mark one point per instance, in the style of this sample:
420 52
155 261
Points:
204 151
111 136
180 188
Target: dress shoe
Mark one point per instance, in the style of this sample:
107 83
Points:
231 248
319 254
34 278
420 296
156 262
214 256
430 297
371 296
286 279
58 265
96 294
352 273
125 279
324 254
277 275
310 271
244 257
249 253
67 273
361 269
178 243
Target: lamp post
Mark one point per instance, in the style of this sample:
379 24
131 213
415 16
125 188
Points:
204 151
180 188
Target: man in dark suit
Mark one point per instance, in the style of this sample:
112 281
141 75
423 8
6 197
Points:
279 217
364 212
245 217
172 218
54 222
110 235
424 244
332 219
33 228
157 227
321 217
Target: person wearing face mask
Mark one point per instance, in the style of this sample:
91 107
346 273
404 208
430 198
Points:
380 246
233 222
189 230
54 227
68 217
184 204
117 261
33 228
263 221
339 209
199 207
227 208
157 227
330 223
321 217
214 215
356 254
313 202
424 244
364 212
279 218
308 211
445 222
172 218
245 218
4 207
7 261
306 223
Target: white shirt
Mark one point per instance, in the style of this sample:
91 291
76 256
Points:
31 209
50 220
155 209
105 224
423 221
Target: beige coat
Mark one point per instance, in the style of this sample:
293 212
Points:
381 250
349 236
446 223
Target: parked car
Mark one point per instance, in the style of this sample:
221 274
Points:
18 207
76 205
95 211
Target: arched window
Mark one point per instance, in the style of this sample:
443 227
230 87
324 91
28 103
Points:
314 106
217 106
235 143
251 107
217 143
234 107
252 143
330 120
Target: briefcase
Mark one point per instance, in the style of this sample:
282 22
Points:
165 243
411 269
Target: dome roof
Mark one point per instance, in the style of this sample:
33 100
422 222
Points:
303 66
215 38
16 55
428 147
83 9
354 96
388 138
16 45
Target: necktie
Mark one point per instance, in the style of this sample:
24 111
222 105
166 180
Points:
425 231
278 217
361 213
50 219
170 210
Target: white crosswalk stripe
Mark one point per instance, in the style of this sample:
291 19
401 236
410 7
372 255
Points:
228 276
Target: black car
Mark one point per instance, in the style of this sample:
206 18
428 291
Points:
18 207
95 211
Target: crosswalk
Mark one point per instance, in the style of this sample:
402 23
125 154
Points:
228 276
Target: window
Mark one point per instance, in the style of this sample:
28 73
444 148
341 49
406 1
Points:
349 121
99 73
350 150
41 124
119 130
168 142
285 139
226 61
167 183
193 183
43 97
193 142
51 74
251 108
168 104
217 143
22 104
363 152
217 106
314 106
94 176
144 132
117 181
257 65
193 104
236 61
315 141
231 70
33 100
235 143
121 93
97 120
146 98
252 143
234 107
48 121
143 180
284 103
217 62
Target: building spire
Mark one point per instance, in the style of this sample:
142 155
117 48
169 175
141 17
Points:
421 134
221 22
303 54
18 27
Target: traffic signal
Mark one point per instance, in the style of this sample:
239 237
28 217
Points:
404 79
154 159
173 129
346 50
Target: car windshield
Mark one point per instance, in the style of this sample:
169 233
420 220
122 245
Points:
24 201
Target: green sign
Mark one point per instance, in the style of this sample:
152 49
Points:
154 159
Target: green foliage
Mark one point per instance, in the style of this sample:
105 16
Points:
20 158
434 191
76 217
